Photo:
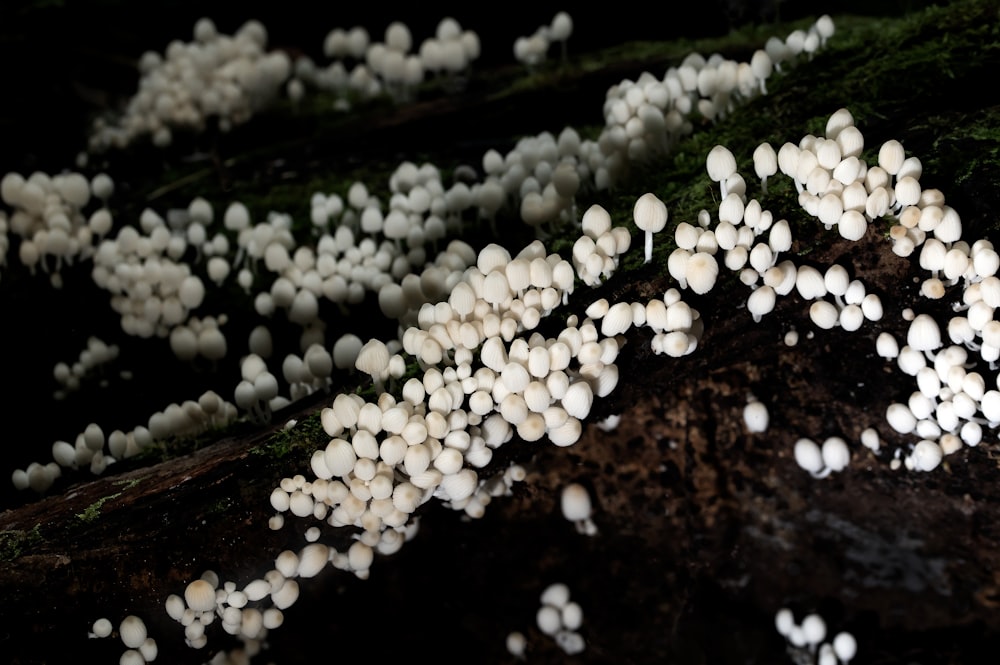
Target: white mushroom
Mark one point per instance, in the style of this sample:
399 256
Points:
650 215
720 164
576 507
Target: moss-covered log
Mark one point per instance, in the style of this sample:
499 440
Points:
705 529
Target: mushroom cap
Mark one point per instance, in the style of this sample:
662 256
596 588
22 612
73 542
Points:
808 455
650 213
923 333
891 155
200 596
701 272
720 163
835 453
756 416
845 646
133 631
102 627
761 64
596 221
575 502
814 628
926 455
765 160
561 27
373 358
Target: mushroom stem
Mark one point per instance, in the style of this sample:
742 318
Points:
261 411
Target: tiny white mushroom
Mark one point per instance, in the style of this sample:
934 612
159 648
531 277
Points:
132 631
765 159
761 301
835 453
755 416
701 271
845 646
784 621
720 163
808 455
923 334
900 418
548 619
650 215
200 596
576 507
824 314
926 455
373 360
102 628
813 629
517 644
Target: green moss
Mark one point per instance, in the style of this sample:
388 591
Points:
93 511
220 506
299 441
127 484
14 542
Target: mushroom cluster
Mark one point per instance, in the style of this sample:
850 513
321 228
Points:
247 612
140 648
90 364
54 218
93 450
597 253
533 49
649 115
360 68
839 188
213 78
226 79
561 618
808 643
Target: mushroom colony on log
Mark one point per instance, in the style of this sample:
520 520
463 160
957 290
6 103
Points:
548 331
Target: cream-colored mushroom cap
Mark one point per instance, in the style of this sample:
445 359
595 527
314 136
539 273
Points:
575 503
199 596
923 333
132 630
808 455
701 272
756 416
102 627
720 164
835 453
312 559
650 215
373 359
